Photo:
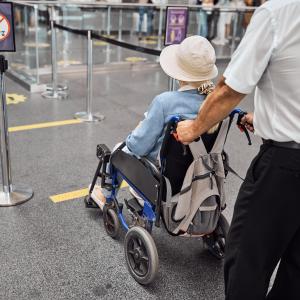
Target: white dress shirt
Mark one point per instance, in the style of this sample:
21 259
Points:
268 59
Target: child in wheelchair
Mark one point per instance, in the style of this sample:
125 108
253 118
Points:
192 64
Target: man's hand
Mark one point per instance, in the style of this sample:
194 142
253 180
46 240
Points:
247 120
186 132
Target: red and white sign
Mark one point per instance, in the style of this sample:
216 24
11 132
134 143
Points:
4 28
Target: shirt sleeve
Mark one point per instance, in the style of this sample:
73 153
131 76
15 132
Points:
251 58
144 137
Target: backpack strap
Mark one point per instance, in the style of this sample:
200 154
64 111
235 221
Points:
227 166
184 199
231 117
221 138
198 149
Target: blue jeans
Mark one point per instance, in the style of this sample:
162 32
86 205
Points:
149 12
203 29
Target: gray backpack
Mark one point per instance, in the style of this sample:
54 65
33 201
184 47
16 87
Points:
195 211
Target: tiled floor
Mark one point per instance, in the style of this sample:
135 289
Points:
60 250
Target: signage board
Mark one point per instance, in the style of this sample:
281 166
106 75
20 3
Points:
176 24
7 34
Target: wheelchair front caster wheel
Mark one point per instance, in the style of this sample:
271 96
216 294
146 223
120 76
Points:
141 255
111 222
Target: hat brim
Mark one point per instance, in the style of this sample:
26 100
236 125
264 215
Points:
169 63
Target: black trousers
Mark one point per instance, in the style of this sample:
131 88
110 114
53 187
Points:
266 229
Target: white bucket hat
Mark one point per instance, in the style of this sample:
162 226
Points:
192 60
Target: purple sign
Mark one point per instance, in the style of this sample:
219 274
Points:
7 35
176 24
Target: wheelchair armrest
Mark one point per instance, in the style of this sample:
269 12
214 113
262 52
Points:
153 168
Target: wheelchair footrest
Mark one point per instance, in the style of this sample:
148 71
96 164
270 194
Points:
89 202
133 205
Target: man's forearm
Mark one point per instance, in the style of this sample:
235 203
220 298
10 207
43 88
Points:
216 107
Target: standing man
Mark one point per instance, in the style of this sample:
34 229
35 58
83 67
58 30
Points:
266 221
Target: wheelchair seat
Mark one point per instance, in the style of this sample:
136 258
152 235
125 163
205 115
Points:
137 173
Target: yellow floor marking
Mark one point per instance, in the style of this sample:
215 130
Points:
39 45
15 98
152 37
135 59
68 62
70 195
18 65
148 42
100 43
76 194
43 125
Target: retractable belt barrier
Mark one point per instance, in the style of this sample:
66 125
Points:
109 40
88 115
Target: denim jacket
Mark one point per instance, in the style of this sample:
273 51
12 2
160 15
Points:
147 138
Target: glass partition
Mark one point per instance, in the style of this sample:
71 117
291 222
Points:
24 62
138 25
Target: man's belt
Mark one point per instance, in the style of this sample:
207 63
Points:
289 145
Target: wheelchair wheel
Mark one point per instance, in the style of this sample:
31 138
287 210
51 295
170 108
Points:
217 240
222 232
141 255
111 222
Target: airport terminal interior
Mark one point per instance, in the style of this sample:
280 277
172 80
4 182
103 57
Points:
53 246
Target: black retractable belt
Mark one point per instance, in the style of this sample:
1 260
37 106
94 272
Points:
106 39
287 145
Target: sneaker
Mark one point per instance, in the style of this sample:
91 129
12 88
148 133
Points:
98 197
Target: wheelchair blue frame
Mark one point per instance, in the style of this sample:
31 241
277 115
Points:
149 209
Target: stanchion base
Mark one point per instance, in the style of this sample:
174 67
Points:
55 94
58 88
18 195
86 117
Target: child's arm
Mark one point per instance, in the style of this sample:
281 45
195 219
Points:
143 138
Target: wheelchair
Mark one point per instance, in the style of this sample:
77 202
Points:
148 181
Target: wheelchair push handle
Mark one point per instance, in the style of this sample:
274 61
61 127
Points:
172 129
241 114
174 121
172 125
